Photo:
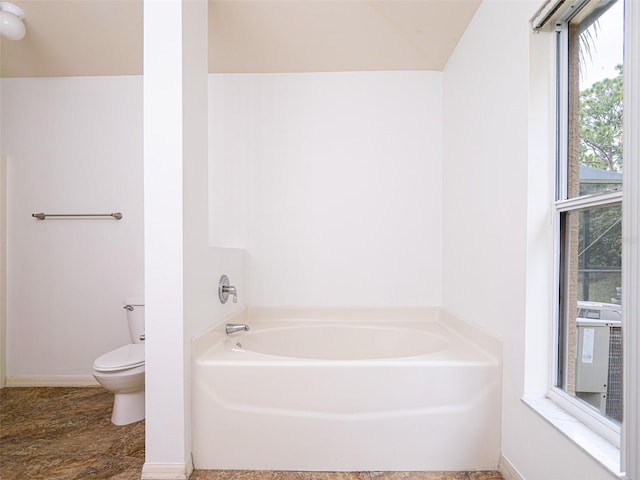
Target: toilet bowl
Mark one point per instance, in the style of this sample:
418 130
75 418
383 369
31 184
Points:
121 371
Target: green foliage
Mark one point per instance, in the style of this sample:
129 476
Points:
600 234
601 124
600 242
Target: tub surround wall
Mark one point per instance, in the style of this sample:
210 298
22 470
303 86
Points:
332 182
73 145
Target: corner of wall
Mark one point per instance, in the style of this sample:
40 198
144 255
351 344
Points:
507 470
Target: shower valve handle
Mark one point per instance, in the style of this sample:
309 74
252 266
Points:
225 289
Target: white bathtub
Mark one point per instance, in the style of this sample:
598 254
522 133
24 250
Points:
346 390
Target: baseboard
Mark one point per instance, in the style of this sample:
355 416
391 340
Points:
508 471
51 381
167 471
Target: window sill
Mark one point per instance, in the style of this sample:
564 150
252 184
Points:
593 444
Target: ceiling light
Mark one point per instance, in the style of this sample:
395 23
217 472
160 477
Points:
11 21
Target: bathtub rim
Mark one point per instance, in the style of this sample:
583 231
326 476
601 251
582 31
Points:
486 343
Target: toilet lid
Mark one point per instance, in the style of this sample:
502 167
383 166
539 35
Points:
128 356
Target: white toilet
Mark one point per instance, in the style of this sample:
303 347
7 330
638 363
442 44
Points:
121 371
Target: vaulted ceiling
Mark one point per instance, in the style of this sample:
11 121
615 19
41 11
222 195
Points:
104 37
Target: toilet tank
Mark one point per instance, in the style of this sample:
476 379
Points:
135 318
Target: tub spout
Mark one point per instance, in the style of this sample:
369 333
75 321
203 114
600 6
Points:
236 327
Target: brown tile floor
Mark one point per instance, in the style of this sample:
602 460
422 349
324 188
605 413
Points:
66 434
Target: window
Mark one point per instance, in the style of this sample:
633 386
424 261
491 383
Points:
588 209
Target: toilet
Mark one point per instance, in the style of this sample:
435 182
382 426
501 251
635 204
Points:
121 371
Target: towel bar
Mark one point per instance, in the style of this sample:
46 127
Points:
42 216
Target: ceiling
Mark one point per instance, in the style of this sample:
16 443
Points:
104 37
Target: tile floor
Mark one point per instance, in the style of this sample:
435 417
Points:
66 434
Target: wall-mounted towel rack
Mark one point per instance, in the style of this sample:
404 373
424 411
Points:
42 216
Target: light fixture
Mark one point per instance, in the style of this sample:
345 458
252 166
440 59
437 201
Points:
11 21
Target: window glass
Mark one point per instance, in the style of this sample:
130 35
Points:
592 367
595 99
590 346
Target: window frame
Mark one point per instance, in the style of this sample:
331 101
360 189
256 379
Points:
563 203
623 461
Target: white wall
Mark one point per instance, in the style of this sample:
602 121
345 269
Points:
489 248
3 266
332 182
181 270
74 145
169 235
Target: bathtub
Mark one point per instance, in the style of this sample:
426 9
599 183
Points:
323 389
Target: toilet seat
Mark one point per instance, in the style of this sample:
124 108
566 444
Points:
123 358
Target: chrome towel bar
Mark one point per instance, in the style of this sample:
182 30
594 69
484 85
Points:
42 216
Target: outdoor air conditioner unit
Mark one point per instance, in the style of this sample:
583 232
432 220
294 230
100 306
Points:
599 357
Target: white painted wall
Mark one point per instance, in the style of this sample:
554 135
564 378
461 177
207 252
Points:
181 269
74 145
3 265
166 78
489 248
332 182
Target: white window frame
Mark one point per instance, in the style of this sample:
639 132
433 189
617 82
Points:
630 460
563 204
